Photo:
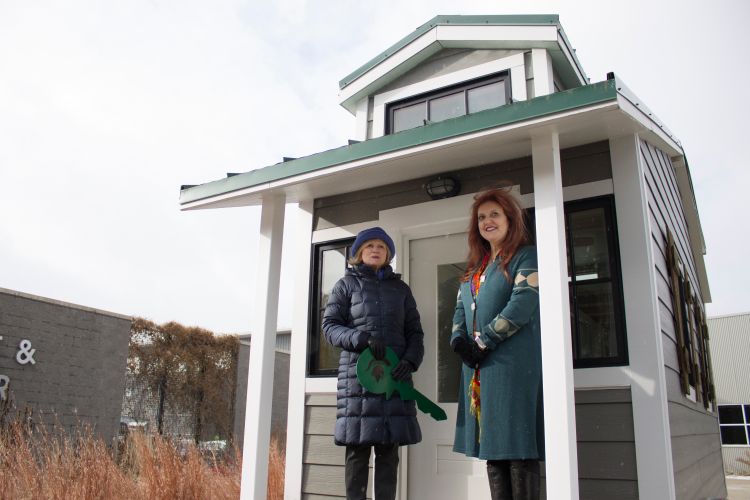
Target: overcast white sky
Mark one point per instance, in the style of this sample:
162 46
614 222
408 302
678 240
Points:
106 108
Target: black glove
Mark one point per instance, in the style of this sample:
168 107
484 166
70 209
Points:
377 347
402 370
470 353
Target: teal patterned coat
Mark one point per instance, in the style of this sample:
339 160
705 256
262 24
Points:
507 314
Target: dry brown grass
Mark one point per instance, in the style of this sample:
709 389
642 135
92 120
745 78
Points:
37 464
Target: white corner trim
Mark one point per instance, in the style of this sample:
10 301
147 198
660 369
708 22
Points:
518 82
360 120
541 62
513 63
645 350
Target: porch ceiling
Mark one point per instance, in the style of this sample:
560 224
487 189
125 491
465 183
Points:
580 116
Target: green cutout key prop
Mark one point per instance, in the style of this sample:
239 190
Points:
375 376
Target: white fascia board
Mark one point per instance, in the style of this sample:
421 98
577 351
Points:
502 36
567 51
652 124
225 200
513 63
695 230
341 232
424 46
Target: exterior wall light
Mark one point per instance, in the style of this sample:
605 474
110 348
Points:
442 187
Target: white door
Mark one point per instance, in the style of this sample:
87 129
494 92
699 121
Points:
434 470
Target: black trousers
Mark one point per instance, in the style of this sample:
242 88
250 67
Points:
357 471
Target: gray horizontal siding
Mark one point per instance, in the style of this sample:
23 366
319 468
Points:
696 452
606 445
322 460
606 449
582 164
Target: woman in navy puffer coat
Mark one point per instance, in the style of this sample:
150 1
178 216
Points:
371 307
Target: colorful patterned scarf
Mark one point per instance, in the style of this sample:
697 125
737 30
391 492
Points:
475 406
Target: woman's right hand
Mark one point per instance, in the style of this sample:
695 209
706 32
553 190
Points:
470 353
377 346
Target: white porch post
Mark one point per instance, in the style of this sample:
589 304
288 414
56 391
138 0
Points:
262 344
298 359
653 446
557 355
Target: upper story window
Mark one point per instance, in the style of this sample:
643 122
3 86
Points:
458 100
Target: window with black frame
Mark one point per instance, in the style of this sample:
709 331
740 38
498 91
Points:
458 100
594 283
329 265
734 425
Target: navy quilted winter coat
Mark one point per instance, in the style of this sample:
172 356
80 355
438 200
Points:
364 303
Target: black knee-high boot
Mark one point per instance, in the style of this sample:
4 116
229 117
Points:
498 474
524 479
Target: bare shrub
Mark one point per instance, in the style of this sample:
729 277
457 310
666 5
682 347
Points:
276 464
37 463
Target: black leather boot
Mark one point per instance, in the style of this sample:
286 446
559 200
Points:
498 474
524 479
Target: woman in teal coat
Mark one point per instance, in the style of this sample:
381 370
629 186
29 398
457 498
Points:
496 334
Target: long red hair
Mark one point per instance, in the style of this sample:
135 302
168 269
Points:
517 234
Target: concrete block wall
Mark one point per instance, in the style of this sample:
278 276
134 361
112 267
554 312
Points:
79 353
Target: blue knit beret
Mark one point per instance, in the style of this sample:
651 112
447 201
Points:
373 233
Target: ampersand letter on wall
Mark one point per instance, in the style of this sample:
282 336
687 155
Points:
25 353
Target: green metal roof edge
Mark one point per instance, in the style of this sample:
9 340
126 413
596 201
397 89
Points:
491 118
513 19
573 54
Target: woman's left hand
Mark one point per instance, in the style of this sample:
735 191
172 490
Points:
402 370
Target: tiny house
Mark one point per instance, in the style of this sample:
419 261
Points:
461 104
